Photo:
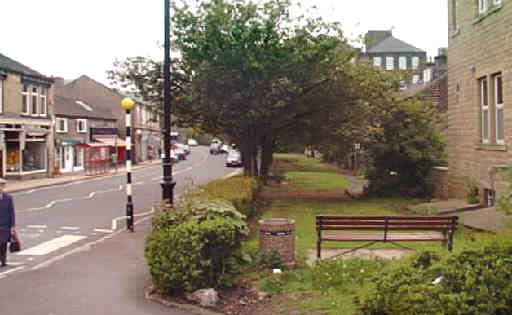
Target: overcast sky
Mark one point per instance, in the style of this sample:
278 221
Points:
68 38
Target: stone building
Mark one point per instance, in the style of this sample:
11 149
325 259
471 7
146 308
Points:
26 109
479 87
75 120
384 51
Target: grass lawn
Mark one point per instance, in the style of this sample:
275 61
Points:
297 290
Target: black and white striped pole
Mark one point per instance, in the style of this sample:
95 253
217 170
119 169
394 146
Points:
128 104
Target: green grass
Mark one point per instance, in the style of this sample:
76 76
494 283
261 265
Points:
315 181
295 289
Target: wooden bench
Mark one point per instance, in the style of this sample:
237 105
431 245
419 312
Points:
390 229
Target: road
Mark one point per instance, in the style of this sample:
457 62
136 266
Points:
73 261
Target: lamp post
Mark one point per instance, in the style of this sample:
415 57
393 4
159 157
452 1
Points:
127 103
167 182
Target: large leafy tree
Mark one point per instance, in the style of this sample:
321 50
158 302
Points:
258 73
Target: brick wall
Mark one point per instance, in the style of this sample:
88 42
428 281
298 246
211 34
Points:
480 47
438 176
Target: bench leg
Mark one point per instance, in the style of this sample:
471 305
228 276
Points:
318 246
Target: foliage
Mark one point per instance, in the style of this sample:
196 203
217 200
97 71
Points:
472 196
341 274
269 259
196 244
403 149
473 281
504 201
238 190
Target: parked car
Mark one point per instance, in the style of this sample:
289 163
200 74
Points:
215 148
234 158
180 152
184 147
225 148
192 142
174 157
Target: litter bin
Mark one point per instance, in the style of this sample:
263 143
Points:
279 235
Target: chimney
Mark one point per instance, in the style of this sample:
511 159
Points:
372 38
59 82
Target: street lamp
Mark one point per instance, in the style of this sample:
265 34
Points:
167 182
127 103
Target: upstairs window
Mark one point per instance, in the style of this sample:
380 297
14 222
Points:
496 2
390 63
484 106
35 102
482 6
81 125
61 124
455 9
377 62
498 101
415 63
1 95
43 102
25 103
402 63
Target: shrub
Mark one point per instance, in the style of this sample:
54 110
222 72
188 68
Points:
239 190
470 282
196 244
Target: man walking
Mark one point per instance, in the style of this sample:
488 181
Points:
7 221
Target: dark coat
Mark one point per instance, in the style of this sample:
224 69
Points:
7 217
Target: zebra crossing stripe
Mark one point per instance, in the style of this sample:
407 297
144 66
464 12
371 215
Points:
51 245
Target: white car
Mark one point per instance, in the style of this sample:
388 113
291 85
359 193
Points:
192 142
234 158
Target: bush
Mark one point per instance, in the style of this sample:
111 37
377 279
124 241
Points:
239 190
195 245
470 282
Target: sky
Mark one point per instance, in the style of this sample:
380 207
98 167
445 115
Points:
70 38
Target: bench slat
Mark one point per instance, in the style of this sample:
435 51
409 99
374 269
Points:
393 237
383 223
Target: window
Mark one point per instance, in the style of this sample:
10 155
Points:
402 62
455 8
496 2
482 6
484 105
61 125
415 79
377 62
415 62
427 75
43 102
498 103
390 63
35 96
81 125
24 100
1 95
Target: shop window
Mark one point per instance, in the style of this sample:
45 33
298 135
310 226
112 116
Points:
78 157
34 156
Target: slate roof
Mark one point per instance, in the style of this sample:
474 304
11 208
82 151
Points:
10 65
392 44
71 107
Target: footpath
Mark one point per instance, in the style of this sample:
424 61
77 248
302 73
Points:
14 185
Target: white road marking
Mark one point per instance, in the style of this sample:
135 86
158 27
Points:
5 273
36 226
51 245
70 228
103 230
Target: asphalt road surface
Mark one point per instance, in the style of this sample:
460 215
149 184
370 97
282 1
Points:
77 258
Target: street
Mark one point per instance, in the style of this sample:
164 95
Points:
73 261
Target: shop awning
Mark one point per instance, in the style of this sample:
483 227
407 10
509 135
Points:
112 141
67 142
96 145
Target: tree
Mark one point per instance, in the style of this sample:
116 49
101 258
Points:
257 72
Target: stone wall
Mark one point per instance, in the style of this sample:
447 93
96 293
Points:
478 48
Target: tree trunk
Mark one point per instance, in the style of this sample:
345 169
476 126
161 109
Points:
267 150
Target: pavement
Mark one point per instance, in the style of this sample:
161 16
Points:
17 184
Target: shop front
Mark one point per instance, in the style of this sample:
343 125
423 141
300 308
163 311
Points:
71 155
26 151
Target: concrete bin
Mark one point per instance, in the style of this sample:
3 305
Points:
279 235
